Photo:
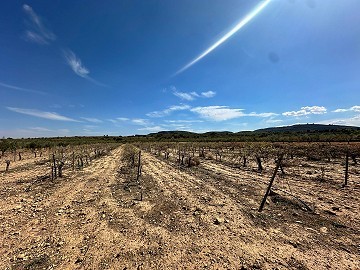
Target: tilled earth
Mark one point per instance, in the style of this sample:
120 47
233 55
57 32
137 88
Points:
204 217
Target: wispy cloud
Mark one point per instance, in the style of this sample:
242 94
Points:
208 94
140 121
152 129
41 114
352 109
123 119
222 113
77 66
92 120
351 121
75 63
189 96
90 127
306 111
118 119
268 114
37 32
40 129
274 121
168 110
185 96
21 89
237 27
183 121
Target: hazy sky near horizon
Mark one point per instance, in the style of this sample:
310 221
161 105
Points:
135 67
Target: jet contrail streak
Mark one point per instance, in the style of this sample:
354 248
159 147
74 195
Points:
237 27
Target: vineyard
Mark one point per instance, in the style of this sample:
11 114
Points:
180 205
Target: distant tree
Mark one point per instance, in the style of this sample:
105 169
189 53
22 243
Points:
4 146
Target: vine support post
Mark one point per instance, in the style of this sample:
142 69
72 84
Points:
73 161
346 168
7 165
271 182
139 167
54 166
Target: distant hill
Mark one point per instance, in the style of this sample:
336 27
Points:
301 132
295 133
308 128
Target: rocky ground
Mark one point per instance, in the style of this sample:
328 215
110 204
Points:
204 217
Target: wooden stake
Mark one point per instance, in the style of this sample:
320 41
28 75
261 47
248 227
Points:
54 166
346 168
73 161
139 167
271 182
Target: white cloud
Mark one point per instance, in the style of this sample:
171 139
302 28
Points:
40 129
77 66
184 121
118 119
21 88
353 109
261 114
352 121
306 111
168 110
274 121
123 119
152 129
92 120
139 121
340 110
42 114
185 96
222 113
218 113
37 31
208 94
189 96
75 63
194 94
33 37
90 127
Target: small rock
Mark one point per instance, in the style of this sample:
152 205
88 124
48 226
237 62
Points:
78 260
330 212
324 230
218 221
21 256
294 244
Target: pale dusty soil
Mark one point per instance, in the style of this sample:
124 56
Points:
194 218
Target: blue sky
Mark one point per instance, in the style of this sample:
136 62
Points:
135 67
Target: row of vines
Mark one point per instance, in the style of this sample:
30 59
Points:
57 157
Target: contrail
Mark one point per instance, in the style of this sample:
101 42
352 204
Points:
21 89
237 27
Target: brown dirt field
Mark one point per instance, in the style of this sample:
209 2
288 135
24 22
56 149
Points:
195 218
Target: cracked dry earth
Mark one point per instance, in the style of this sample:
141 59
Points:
199 218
